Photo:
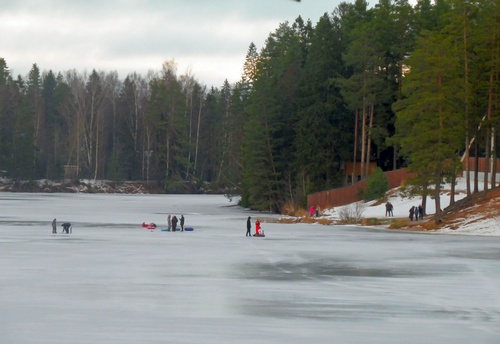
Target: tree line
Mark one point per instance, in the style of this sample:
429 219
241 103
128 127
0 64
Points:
397 84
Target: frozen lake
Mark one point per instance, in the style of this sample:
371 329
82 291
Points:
111 281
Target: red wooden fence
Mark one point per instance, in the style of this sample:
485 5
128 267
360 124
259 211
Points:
352 193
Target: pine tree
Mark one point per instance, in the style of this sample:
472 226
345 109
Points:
51 133
432 106
166 130
485 78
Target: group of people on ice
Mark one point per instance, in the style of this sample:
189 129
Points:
67 228
259 232
172 222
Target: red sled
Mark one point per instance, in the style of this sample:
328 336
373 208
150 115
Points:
150 226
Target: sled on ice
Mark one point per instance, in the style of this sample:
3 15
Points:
149 226
186 229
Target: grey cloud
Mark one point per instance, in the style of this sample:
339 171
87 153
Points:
135 33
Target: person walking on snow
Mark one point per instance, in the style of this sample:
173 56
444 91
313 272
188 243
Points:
388 209
412 212
54 226
169 222
249 227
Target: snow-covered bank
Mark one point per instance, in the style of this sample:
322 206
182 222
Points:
478 224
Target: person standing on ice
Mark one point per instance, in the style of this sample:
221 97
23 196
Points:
249 227
174 223
169 222
182 223
54 226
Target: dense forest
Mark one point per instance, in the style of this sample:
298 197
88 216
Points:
401 85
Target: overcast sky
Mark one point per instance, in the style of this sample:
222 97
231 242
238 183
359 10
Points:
209 37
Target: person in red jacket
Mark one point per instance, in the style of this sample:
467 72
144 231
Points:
257 227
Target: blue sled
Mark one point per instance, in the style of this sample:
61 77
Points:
187 229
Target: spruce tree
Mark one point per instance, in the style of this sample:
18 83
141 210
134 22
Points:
323 128
269 133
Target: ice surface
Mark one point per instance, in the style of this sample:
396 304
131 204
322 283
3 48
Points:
111 281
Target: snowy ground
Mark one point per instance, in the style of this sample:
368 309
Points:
402 205
111 281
